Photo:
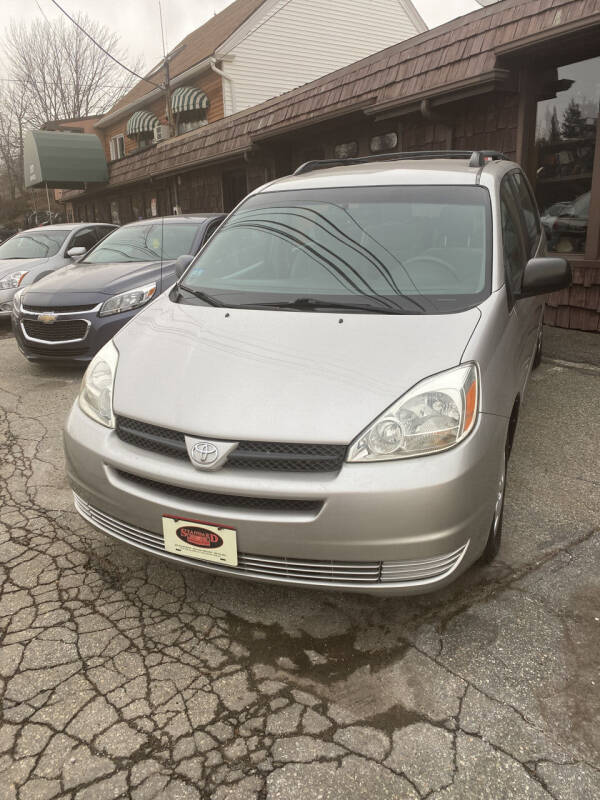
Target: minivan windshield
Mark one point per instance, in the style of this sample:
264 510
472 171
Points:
411 249
33 244
153 242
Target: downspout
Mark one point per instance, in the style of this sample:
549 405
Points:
430 115
213 66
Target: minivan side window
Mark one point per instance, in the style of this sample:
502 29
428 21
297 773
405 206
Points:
529 212
512 238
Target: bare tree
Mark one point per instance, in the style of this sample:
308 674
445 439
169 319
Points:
13 121
55 72
62 73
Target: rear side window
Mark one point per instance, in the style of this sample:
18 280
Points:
84 238
102 231
512 237
528 209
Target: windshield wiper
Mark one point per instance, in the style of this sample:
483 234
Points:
309 303
207 298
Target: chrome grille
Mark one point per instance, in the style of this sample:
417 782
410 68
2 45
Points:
341 574
398 571
271 456
58 309
72 330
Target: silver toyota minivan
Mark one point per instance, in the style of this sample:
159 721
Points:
328 395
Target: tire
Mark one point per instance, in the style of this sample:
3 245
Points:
495 535
537 358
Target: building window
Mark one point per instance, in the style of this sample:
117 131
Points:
384 142
189 120
346 150
566 126
144 139
117 147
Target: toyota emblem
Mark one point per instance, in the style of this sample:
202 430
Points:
204 453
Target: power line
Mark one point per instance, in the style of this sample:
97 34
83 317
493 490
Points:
116 60
29 82
42 12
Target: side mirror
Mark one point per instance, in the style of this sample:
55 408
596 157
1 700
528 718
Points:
544 275
182 264
76 251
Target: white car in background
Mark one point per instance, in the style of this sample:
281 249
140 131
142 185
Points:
34 253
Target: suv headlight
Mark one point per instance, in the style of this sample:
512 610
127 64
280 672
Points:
128 300
434 415
13 281
96 394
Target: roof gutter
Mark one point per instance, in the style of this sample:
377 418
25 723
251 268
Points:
409 104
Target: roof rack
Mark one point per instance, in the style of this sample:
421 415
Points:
477 158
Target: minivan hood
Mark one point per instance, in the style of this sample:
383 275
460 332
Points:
242 374
92 279
8 265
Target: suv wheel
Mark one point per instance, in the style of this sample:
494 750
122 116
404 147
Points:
495 534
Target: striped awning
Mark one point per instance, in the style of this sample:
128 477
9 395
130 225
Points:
187 98
140 122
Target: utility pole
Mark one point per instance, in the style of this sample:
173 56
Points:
167 84
168 96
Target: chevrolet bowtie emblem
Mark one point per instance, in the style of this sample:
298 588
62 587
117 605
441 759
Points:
47 319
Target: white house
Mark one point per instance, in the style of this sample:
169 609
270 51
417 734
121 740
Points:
286 43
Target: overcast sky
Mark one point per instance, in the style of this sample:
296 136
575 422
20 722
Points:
137 21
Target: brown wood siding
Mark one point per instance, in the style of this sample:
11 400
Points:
208 81
579 306
425 65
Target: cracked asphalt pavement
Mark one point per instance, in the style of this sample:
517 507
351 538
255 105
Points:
125 677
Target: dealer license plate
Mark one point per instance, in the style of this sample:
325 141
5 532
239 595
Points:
203 541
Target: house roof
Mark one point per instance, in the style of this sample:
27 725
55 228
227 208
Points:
197 46
461 52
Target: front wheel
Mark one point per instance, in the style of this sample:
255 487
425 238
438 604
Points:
495 535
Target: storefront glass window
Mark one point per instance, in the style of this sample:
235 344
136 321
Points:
565 139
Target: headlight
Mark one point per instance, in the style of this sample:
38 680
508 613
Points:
434 415
17 301
13 281
96 394
128 300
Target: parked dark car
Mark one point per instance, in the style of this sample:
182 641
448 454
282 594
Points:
72 313
566 224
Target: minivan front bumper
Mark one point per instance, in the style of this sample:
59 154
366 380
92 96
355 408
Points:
395 527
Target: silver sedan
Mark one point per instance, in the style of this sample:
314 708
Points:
30 255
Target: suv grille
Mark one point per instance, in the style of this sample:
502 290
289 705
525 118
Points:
271 456
229 500
60 331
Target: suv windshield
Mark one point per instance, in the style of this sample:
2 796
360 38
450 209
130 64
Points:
152 242
410 248
33 244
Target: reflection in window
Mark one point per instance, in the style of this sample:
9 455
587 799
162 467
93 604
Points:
565 139
346 150
424 244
